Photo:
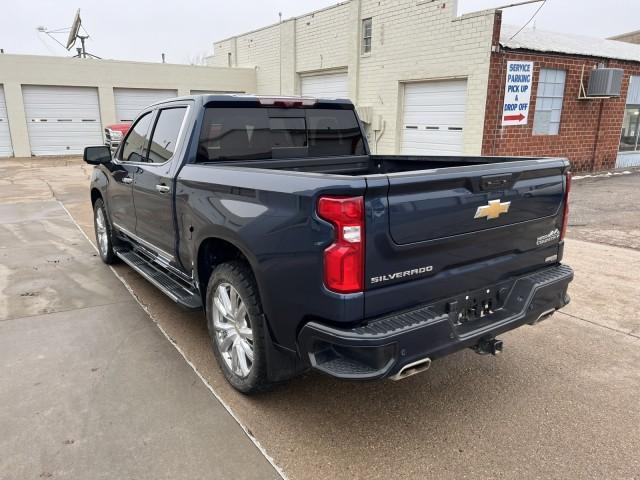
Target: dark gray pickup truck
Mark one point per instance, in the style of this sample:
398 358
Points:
306 251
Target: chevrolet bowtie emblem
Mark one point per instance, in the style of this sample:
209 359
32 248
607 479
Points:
493 210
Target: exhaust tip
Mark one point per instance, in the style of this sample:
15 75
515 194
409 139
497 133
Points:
412 369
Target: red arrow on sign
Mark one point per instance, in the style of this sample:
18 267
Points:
519 117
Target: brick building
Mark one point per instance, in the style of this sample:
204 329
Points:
426 80
587 130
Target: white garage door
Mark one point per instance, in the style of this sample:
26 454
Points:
5 136
334 85
433 118
62 120
210 92
130 101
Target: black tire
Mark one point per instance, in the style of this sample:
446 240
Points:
106 252
238 275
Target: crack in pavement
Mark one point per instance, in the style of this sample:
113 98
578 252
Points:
629 334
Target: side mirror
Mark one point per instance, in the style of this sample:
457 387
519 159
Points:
97 155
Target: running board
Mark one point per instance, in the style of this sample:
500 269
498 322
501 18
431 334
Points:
175 290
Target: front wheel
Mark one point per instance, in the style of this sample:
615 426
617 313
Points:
236 326
104 233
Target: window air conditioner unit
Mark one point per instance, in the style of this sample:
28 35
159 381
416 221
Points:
605 82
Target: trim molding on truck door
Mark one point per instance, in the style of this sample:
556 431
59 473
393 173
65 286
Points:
167 256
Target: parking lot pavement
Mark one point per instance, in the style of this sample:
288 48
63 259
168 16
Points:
90 388
561 402
605 209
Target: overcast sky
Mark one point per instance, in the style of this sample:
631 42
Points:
185 30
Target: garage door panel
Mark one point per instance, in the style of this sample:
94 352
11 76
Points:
131 101
5 136
62 120
334 85
437 86
433 117
417 138
213 92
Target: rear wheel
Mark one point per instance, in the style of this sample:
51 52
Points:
236 327
104 233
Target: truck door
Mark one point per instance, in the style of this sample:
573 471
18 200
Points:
153 183
123 168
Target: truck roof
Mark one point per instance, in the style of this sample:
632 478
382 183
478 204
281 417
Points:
277 100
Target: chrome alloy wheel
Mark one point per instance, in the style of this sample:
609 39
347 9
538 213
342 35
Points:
232 327
101 232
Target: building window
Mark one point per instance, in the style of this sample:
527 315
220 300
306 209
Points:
631 122
367 30
549 102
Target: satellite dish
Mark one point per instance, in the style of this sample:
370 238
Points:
73 33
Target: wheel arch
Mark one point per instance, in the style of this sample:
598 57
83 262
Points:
215 250
95 195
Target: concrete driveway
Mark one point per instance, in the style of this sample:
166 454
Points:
562 401
90 387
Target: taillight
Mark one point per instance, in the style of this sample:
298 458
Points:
344 258
565 214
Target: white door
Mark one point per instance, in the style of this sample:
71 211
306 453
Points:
62 120
331 85
433 117
130 101
5 136
209 92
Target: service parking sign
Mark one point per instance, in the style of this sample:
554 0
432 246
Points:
517 92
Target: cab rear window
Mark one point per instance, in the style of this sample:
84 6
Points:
264 133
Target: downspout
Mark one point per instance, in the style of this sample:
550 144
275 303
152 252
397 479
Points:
597 136
595 143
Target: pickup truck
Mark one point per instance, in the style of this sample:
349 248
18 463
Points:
114 133
307 251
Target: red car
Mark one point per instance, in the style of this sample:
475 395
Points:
114 133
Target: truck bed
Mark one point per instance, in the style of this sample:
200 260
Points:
362 165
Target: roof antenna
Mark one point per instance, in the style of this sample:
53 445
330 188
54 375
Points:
280 15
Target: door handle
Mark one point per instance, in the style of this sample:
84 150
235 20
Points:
163 188
127 180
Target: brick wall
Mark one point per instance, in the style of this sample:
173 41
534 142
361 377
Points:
589 132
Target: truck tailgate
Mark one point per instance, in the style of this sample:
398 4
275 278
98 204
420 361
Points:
437 233
432 206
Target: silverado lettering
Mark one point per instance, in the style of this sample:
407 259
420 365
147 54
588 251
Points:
406 273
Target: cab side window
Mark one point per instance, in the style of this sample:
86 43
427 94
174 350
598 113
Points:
135 145
165 134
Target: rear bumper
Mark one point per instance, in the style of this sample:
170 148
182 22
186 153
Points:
383 346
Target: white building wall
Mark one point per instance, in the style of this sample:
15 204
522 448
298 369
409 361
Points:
105 75
413 40
322 39
261 49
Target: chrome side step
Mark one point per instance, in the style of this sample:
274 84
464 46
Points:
175 290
